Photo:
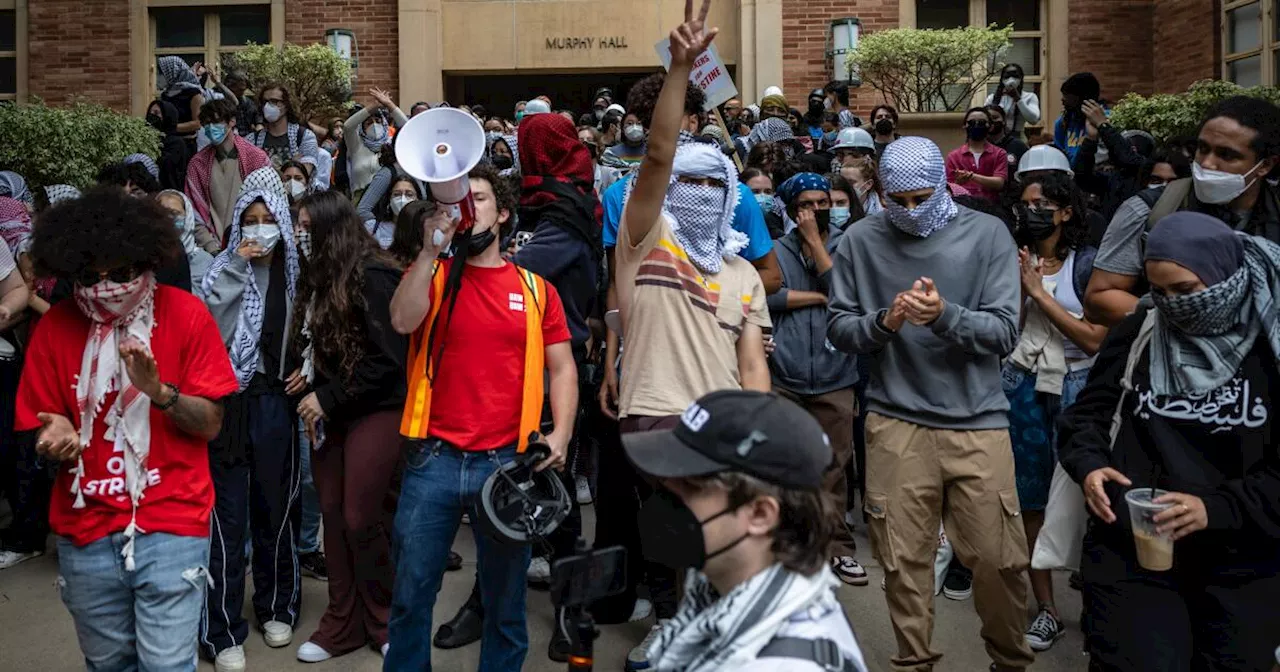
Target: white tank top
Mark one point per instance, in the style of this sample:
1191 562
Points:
1064 292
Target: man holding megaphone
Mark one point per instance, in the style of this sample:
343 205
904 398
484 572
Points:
478 325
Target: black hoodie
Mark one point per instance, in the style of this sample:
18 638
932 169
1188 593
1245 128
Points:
174 154
1220 447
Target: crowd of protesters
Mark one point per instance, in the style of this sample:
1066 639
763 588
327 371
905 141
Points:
741 336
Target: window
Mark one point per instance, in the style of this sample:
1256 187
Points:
1250 42
207 34
1028 46
8 54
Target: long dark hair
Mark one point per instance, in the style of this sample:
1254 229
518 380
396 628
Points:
1174 157
382 210
1063 191
407 241
332 286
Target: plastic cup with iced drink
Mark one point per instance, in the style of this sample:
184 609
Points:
1155 550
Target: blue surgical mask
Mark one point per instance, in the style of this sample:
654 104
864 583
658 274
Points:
216 133
839 216
765 201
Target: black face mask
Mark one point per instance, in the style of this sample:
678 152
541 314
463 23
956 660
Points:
671 534
978 131
155 121
479 242
815 107
502 161
1038 224
884 127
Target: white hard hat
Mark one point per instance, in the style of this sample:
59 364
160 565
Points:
854 138
615 108
772 91
536 106
1044 157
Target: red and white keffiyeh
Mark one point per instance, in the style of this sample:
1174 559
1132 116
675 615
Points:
119 312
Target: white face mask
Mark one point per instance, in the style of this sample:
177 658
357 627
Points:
1011 81
304 242
296 189
271 113
267 235
1217 187
398 203
634 134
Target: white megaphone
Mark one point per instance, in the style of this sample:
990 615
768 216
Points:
439 147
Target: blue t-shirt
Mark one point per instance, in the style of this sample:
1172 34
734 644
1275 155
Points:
747 219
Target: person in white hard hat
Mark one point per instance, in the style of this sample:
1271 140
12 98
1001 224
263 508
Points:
851 145
1040 159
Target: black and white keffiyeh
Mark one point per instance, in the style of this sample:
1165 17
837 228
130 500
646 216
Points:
57 193
244 349
264 179
178 76
712 632
772 129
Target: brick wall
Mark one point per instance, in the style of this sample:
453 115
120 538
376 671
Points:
1112 39
79 48
805 24
375 25
1187 42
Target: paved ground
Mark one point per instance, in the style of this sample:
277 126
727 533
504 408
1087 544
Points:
36 633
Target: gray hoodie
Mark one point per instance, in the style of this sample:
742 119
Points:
945 375
804 361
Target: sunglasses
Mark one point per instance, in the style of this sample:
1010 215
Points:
89 278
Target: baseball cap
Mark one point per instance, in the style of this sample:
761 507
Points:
756 433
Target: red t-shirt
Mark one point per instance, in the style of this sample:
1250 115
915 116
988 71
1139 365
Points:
189 353
477 392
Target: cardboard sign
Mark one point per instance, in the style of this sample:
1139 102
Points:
709 74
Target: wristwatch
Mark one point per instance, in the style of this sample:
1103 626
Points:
172 400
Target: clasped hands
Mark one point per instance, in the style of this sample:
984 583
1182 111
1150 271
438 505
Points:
921 305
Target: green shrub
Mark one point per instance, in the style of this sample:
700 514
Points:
1172 115
319 80
931 70
68 145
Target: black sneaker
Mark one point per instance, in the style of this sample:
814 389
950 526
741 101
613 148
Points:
1044 631
958 584
312 565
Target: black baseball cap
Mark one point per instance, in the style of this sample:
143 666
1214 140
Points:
756 433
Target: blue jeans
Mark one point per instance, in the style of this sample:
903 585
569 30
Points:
309 533
146 619
440 483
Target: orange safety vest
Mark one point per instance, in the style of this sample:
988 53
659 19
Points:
417 404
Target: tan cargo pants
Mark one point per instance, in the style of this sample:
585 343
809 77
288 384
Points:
915 477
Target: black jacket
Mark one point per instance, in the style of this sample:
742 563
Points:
1220 447
1121 183
378 381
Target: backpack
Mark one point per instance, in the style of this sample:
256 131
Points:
825 653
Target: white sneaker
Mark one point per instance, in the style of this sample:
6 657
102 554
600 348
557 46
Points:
10 558
583 486
641 611
539 571
277 634
466 519
310 652
638 658
230 660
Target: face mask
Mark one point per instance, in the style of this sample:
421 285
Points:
839 216
1038 224
634 134
925 219
271 113
296 189
519 116
977 132
884 127
1217 187
398 203
823 218
304 242
155 121
830 139
765 201
599 114
1211 311
479 242
108 297
816 106
267 235
503 162
1156 185
375 137
216 133
671 534
826 103
1012 82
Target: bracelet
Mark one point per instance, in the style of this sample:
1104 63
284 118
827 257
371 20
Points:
172 400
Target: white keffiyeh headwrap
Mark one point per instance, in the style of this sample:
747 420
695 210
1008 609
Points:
702 216
245 350
119 312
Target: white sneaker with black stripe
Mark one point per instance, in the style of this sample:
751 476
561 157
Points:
849 571
1045 631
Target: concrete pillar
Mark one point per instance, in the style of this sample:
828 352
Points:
421 61
768 46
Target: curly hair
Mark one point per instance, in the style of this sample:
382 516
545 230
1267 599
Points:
331 290
767 156
121 174
217 111
104 229
643 97
506 191
289 114
806 520
1062 191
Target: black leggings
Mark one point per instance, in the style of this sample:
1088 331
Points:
1197 617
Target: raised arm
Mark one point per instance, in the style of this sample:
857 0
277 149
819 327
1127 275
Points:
412 300
687 41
